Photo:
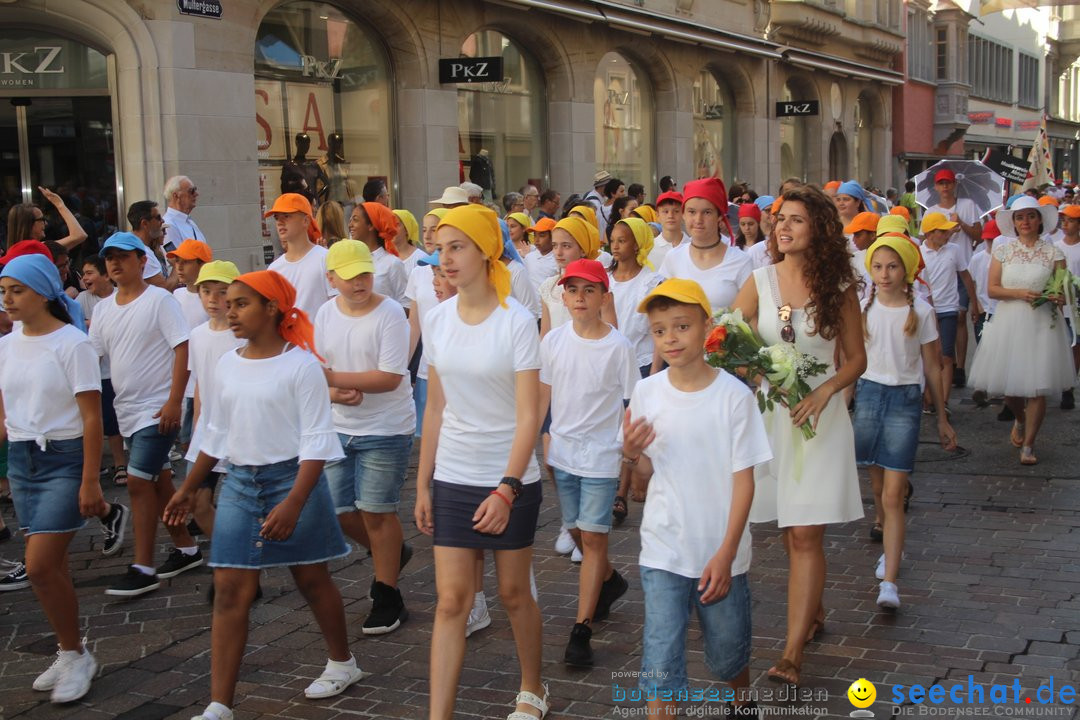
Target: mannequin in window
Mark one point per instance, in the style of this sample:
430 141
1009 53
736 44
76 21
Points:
482 172
335 183
301 175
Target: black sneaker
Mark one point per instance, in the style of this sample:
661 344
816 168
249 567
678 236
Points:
113 526
1006 414
193 528
959 378
133 584
387 611
612 589
16 577
1068 402
178 562
5 534
406 556
578 650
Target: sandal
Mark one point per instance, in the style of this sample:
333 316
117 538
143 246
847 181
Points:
1027 457
333 681
527 698
120 476
907 496
877 532
618 509
1017 434
784 671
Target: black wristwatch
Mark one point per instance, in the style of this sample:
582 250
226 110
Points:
515 485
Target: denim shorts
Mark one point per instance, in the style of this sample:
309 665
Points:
965 301
725 629
45 485
108 413
248 494
886 424
419 394
186 418
946 325
148 452
585 502
371 475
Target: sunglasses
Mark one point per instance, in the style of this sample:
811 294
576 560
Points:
787 332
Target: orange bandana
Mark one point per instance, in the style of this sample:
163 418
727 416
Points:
295 325
385 223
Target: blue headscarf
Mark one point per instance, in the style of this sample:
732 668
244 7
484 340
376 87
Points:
765 203
1011 200
855 190
38 273
509 251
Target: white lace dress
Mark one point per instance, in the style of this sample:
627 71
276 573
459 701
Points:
1024 351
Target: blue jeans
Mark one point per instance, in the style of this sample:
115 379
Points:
371 475
725 629
45 485
585 502
419 393
148 452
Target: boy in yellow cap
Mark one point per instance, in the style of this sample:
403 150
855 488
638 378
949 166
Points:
692 435
190 256
207 343
364 337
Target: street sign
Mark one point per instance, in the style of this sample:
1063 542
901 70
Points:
200 8
1011 168
470 70
797 108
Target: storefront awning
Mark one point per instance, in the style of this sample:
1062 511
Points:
840 66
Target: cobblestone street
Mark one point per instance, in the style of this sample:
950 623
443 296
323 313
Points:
990 586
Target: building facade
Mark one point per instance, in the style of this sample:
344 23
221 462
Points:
108 98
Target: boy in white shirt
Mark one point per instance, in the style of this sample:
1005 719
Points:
189 259
143 332
542 264
1070 245
669 209
304 262
364 338
587 370
693 434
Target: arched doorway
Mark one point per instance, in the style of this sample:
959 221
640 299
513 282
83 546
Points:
623 106
793 133
838 157
714 128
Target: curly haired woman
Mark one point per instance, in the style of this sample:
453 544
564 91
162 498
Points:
808 298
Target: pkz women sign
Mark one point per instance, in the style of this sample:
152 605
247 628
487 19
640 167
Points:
470 70
32 61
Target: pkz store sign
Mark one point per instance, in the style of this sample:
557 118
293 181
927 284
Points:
470 70
797 108
22 68
31 61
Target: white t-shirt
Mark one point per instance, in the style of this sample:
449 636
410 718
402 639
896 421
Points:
720 283
420 291
858 265
205 348
940 274
139 339
478 366
410 262
378 340
271 410
154 266
308 276
589 380
702 439
191 307
551 296
522 289
893 358
390 275
39 378
540 268
661 248
759 254
632 324
965 210
979 268
88 301
1072 256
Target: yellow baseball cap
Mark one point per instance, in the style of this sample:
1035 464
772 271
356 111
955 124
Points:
349 258
892 224
679 290
218 271
936 221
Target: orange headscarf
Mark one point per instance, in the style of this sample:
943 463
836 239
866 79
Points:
385 223
295 326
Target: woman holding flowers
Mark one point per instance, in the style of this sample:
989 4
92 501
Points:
1024 353
807 299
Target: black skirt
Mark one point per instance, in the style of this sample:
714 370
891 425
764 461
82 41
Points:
454 506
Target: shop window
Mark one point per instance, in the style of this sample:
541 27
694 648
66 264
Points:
714 129
624 121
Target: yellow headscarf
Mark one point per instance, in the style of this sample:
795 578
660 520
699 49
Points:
644 237
481 225
904 247
587 212
438 212
646 213
521 219
586 235
408 221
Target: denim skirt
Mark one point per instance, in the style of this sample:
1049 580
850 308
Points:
45 485
248 494
886 424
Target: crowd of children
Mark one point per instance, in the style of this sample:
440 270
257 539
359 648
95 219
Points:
297 394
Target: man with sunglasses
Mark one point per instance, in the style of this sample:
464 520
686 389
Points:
181 196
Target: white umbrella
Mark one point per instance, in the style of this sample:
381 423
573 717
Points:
974 181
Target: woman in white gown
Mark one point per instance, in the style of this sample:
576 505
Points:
808 297
1024 352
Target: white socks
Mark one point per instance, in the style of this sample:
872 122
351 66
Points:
217 711
189 551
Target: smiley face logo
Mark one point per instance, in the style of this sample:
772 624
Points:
862 693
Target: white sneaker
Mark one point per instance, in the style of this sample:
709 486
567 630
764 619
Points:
215 711
47 680
479 618
888 596
76 673
564 544
576 556
879 569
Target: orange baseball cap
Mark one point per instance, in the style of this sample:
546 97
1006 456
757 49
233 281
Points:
291 203
1071 211
863 221
1048 200
832 185
192 250
902 211
543 225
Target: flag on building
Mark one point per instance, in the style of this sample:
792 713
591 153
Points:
1040 166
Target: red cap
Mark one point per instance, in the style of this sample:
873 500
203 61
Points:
990 230
669 196
750 210
591 270
943 175
26 247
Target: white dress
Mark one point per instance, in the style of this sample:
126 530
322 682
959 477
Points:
1024 351
808 482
